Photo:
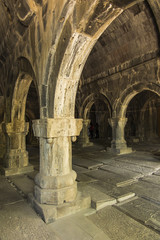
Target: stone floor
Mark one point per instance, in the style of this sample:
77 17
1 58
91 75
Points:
125 198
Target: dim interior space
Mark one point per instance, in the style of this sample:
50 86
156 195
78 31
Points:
80 120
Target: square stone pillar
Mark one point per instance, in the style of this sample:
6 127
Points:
83 139
16 157
55 191
118 144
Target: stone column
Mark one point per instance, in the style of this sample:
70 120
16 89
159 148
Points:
118 144
55 191
152 128
16 156
83 139
2 144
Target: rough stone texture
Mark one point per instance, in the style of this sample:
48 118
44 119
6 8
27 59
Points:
50 213
120 226
84 55
98 199
8 193
142 210
135 217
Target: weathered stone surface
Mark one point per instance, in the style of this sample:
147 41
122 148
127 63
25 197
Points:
152 179
19 224
142 210
79 169
144 170
121 171
8 194
145 190
113 46
81 227
23 183
50 128
126 197
86 163
109 177
109 189
99 200
15 171
141 159
50 213
120 226
83 178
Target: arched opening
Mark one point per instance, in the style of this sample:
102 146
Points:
32 113
16 126
95 112
99 114
143 118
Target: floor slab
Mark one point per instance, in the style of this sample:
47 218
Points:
118 225
8 195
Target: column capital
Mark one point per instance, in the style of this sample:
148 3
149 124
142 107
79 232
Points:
118 120
15 127
86 122
57 127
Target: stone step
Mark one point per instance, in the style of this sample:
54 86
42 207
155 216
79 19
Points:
125 197
142 210
99 199
119 226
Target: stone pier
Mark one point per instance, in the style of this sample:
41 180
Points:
55 193
83 139
15 160
118 144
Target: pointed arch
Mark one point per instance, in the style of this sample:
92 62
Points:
120 106
89 101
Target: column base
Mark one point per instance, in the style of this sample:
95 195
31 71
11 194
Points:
50 213
56 196
120 150
16 158
16 171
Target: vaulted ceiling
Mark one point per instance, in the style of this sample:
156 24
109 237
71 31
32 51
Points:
131 39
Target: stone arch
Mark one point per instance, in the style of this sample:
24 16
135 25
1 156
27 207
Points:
99 119
19 96
89 101
142 119
15 127
70 52
120 106
22 84
20 77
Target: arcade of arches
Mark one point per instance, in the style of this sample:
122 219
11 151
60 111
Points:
75 73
